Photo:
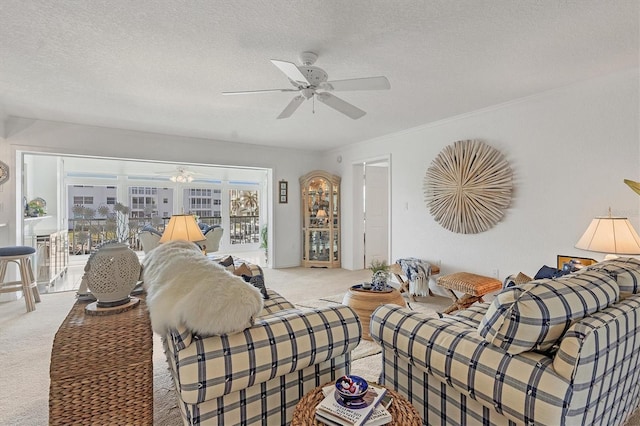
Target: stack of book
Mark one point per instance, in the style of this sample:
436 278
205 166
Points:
369 411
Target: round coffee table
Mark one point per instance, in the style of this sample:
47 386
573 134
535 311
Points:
364 302
403 413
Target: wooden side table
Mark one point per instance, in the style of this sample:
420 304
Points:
102 368
403 413
364 302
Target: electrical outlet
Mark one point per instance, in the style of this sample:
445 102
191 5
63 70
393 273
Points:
496 273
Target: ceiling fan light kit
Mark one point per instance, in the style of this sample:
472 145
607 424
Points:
308 80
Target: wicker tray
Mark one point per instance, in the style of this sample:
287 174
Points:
102 369
403 413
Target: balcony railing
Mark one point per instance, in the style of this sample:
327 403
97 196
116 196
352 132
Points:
86 234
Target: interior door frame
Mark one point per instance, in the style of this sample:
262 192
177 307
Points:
358 208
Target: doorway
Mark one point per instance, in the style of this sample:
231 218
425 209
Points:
372 212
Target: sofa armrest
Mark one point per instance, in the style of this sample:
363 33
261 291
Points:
452 351
278 344
275 303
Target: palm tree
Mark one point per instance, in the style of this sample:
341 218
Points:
249 200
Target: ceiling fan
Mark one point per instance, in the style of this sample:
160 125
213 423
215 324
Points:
180 175
311 82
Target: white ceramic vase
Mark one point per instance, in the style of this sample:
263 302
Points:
112 274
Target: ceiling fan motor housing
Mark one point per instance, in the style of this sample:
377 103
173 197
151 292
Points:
314 75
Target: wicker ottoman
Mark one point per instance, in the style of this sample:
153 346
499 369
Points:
473 286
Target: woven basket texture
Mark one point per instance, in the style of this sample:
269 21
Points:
102 369
401 410
465 282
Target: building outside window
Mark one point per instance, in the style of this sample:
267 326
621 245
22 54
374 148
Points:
143 201
203 202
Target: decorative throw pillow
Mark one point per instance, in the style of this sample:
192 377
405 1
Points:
186 289
227 262
514 279
548 272
534 316
258 282
626 272
243 269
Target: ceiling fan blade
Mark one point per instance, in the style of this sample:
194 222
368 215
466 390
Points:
291 70
292 107
368 83
251 92
339 105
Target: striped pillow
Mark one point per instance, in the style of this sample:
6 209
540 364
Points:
626 272
535 315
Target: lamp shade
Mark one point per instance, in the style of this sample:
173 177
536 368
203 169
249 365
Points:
614 235
182 227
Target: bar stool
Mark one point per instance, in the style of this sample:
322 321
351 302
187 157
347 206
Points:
21 256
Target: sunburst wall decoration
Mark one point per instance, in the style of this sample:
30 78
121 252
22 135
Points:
468 186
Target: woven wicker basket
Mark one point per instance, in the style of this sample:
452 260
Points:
102 369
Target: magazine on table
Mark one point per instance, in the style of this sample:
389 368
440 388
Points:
368 412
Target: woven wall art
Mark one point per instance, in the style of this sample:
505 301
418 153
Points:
468 186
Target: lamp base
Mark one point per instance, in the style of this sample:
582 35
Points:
95 309
114 303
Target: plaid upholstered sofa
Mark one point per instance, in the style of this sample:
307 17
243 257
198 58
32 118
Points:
256 377
549 352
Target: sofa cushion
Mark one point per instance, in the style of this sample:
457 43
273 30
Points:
242 269
535 315
605 338
258 282
626 272
228 264
516 279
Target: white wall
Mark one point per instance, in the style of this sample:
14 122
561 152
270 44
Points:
569 149
64 138
4 214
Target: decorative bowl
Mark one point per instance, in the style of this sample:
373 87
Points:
351 388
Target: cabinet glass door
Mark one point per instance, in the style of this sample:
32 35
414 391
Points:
320 209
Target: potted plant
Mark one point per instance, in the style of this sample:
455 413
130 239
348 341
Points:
264 240
380 274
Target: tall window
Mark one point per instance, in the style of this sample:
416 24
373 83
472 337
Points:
144 201
244 216
204 202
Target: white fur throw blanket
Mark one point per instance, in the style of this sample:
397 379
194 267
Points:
186 288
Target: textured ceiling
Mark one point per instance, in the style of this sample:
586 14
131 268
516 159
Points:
161 66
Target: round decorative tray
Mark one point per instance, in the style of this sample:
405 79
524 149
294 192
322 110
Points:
358 287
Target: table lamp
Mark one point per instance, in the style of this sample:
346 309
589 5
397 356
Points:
611 235
182 227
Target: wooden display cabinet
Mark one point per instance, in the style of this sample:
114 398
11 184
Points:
320 219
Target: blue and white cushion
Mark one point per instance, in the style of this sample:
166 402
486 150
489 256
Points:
535 315
626 272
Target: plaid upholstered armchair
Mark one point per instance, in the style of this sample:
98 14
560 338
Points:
559 351
258 375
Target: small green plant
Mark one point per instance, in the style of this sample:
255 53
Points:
264 240
378 265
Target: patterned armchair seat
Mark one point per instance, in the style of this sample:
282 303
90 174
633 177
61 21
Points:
559 351
257 376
